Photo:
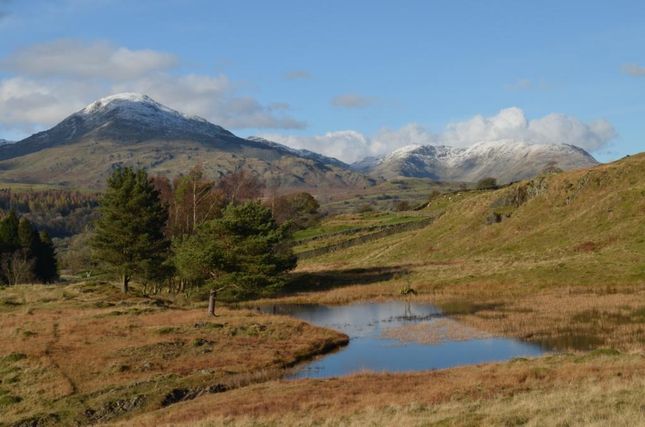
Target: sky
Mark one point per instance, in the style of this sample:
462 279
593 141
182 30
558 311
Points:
345 78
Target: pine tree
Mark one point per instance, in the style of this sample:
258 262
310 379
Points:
46 265
9 239
244 252
27 236
129 236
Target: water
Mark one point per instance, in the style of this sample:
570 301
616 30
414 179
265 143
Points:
368 350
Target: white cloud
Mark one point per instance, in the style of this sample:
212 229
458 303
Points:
346 145
387 140
212 97
508 124
27 104
634 70
351 100
55 79
511 123
73 58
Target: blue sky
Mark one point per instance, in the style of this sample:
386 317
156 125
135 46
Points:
347 78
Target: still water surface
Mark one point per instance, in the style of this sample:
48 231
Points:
368 350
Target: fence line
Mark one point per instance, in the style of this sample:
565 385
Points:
346 231
393 229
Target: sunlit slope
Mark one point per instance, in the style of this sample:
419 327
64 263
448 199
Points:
586 225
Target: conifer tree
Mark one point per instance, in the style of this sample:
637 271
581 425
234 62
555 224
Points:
9 239
46 265
129 234
245 252
27 236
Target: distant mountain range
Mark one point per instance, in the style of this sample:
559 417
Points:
132 129
505 160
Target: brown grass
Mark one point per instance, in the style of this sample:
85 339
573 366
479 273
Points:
491 394
434 331
564 269
88 343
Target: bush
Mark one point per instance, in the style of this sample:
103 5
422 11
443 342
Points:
488 183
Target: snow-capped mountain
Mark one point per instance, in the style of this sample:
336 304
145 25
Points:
506 160
133 129
5 141
127 117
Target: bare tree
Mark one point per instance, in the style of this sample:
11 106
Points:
17 268
241 185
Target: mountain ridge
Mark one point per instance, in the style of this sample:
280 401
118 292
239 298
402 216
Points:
505 160
132 129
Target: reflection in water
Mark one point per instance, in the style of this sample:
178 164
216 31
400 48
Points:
368 350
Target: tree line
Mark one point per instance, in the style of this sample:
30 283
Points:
26 254
192 232
62 213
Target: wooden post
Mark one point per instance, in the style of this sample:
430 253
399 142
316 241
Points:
211 302
124 285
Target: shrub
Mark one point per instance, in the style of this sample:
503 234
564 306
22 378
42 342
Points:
487 183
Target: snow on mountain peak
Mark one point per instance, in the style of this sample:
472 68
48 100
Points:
120 99
137 104
505 159
403 151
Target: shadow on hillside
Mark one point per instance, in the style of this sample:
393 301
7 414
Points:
330 279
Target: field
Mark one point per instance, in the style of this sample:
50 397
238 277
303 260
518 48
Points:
83 353
558 260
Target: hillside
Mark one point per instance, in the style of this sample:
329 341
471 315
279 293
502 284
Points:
593 217
556 260
132 129
506 160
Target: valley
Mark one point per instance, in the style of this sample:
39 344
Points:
554 261
322 214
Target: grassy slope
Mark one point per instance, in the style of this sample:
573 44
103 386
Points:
566 268
338 228
587 226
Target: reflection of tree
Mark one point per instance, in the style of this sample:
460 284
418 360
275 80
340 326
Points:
408 311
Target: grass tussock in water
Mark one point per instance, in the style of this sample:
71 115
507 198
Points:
434 331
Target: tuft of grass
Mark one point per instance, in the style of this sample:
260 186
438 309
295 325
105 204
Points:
7 399
14 357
